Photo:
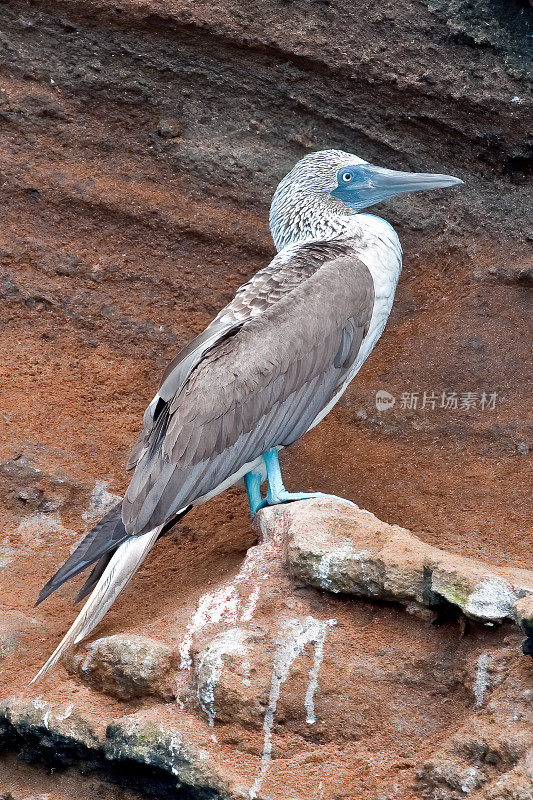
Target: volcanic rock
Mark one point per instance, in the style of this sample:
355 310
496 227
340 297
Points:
347 549
490 756
141 143
125 666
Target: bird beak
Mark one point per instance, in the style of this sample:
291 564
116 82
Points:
373 184
391 182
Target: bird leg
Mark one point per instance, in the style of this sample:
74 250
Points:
277 493
252 482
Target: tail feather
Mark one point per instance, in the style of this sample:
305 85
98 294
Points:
94 576
99 545
106 536
100 565
121 568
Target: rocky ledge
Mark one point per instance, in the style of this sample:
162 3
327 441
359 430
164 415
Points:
344 549
269 685
141 142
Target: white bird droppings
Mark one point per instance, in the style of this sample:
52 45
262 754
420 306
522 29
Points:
482 681
492 599
35 527
235 600
470 780
324 569
212 608
66 713
313 675
210 668
249 609
299 634
101 501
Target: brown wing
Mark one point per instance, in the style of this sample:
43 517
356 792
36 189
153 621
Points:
264 289
260 386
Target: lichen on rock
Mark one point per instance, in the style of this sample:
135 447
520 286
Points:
353 552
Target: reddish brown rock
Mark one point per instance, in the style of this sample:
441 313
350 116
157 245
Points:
346 549
232 676
524 614
125 667
281 686
490 756
13 627
280 675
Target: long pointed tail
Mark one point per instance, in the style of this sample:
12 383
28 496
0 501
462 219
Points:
124 563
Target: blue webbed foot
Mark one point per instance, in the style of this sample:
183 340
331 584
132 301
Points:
277 493
290 497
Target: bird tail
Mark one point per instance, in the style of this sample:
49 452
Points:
100 543
121 567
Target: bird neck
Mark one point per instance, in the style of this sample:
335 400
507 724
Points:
297 217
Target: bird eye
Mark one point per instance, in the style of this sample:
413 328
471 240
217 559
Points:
346 177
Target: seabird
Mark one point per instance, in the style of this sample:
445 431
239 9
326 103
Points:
268 368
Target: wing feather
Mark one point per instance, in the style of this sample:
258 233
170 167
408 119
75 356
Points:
270 380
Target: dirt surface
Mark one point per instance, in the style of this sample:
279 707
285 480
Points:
140 144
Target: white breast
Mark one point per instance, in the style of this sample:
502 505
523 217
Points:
380 249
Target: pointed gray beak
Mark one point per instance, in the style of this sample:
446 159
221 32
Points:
365 184
391 182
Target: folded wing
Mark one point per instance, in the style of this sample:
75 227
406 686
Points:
258 388
256 378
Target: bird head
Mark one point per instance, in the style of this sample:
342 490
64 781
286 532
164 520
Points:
334 182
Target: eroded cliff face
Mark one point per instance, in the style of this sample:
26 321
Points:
140 144
269 680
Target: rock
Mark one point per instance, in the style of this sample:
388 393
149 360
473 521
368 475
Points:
100 502
125 667
524 613
17 476
342 549
146 741
169 128
60 735
274 679
232 676
159 760
490 755
27 488
141 143
20 469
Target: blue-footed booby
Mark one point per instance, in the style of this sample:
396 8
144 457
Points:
268 368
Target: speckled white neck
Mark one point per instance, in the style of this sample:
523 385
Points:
296 218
